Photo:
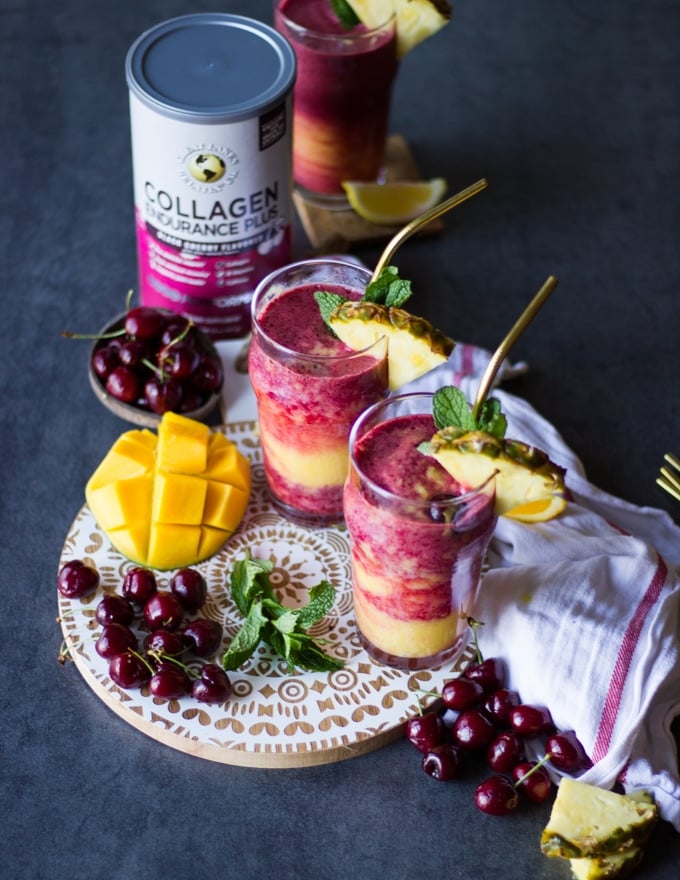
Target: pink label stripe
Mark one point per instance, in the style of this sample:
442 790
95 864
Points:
623 661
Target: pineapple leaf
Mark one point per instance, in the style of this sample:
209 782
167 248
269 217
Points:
451 409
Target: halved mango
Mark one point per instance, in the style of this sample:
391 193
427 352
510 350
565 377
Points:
171 500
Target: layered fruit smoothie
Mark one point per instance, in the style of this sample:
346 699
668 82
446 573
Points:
342 95
310 387
417 542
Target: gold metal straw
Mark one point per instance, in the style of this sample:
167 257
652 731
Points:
668 479
423 219
502 351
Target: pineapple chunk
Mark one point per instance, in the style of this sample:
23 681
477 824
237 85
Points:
589 822
416 20
529 487
607 867
414 346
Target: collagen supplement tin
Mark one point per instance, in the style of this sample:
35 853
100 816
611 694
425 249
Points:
210 113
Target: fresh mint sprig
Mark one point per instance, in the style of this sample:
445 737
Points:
388 290
266 619
451 409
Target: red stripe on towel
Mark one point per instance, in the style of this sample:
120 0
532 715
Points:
622 666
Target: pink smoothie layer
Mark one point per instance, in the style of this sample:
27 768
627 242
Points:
342 98
307 407
415 575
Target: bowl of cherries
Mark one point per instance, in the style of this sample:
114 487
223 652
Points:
149 361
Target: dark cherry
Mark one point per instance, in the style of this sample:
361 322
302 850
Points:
163 611
208 374
127 670
203 636
164 642
104 360
114 609
123 384
461 693
115 638
498 705
180 360
192 399
504 752
77 578
162 394
139 584
176 326
530 720
133 352
443 762
169 682
472 730
566 752
440 508
213 686
144 322
490 673
426 731
190 587
536 787
496 796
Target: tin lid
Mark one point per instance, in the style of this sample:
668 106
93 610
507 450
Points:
210 67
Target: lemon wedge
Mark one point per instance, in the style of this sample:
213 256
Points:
391 204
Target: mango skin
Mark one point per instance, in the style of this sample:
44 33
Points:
170 500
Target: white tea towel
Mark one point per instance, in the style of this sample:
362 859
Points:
585 610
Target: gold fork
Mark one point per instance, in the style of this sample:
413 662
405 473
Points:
668 479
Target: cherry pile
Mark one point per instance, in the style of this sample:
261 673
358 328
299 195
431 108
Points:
156 361
148 634
483 721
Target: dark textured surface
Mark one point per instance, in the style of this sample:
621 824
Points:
571 111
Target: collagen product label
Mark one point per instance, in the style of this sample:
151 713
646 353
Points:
213 211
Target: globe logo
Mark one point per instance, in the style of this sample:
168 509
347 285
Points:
206 167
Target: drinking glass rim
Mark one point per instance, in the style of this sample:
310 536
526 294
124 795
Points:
301 355
351 36
387 494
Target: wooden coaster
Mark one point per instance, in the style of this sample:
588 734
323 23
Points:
334 231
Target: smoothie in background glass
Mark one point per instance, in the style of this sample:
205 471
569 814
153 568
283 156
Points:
417 541
310 387
342 96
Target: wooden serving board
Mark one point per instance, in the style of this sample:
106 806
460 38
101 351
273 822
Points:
274 718
334 231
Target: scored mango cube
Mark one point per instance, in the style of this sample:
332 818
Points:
171 500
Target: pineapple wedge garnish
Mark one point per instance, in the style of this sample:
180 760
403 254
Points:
589 822
529 486
416 20
414 346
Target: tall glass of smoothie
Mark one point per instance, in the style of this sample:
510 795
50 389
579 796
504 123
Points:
341 97
417 539
310 387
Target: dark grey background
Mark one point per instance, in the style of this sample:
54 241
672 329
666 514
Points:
571 111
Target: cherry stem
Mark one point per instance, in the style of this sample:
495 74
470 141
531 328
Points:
474 625
161 656
114 334
537 766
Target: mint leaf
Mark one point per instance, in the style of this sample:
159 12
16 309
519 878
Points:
388 289
346 15
246 639
450 408
249 580
491 419
313 659
328 302
321 599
